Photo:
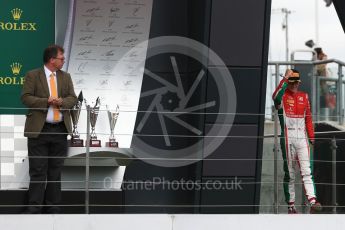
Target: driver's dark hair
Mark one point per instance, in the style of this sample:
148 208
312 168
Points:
51 52
295 71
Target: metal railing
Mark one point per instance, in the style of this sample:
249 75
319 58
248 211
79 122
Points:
277 182
316 80
315 111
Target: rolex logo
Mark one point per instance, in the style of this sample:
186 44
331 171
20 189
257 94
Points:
14 79
16 13
16 67
16 25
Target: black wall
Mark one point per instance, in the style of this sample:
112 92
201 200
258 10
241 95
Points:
323 167
238 32
340 8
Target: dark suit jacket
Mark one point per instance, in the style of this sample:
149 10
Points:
35 96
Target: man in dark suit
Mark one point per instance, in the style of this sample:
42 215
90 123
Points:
49 94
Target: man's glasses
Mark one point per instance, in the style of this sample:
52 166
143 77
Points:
61 59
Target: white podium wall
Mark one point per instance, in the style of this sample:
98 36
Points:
171 222
15 167
13 148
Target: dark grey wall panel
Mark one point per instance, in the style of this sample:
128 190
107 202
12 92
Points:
170 191
169 18
240 144
323 166
248 84
180 18
237 31
189 19
237 197
162 63
239 34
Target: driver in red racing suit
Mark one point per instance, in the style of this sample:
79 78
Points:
297 137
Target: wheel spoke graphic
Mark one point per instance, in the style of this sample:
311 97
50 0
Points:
177 103
180 90
154 92
147 114
170 86
192 89
181 108
198 107
184 124
164 128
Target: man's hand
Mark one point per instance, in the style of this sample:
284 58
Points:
58 101
51 100
55 101
288 73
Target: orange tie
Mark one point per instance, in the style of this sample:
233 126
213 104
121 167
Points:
54 94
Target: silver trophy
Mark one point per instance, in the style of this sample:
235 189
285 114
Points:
113 115
75 113
93 119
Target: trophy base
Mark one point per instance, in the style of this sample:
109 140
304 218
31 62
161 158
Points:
112 144
76 143
95 143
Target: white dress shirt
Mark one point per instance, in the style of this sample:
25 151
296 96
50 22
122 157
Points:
50 115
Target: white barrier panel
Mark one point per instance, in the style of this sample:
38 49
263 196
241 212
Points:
171 222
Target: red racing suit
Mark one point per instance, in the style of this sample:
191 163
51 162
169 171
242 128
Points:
297 132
